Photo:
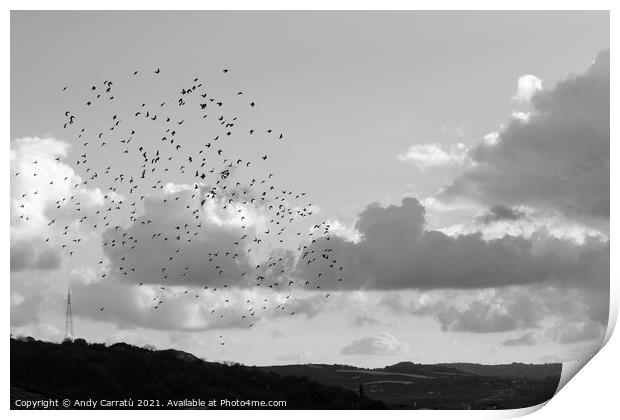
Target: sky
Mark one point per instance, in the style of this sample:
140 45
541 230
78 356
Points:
460 159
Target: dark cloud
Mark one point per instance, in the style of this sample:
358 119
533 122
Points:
28 255
502 312
558 159
498 213
396 252
479 317
569 309
193 235
380 344
526 339
575 331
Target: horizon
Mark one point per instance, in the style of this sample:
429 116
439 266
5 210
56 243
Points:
227 362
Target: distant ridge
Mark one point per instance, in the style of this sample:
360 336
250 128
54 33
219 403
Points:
509 370
408 385
514 370
79 370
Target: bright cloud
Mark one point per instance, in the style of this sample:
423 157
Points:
436 155
380 344
45 193
527 86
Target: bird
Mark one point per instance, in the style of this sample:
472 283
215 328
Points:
222 179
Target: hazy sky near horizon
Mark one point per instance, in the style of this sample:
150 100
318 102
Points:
464 127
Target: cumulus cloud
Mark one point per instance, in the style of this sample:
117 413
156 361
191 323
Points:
31 254
486 311
380 344
391 250
526 339
364 319
562 312
435 155
129 306
570 331
533 224
337 228
45 190
175 232
499 212
556 159
395 251
527 86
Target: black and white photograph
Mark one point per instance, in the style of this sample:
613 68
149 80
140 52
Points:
306 209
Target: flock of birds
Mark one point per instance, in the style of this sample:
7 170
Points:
154 139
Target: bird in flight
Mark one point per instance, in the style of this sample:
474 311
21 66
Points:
143 149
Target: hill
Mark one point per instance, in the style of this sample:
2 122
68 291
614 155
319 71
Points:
80 371
441 386
512 370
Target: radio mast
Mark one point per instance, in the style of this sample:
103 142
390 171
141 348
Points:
69 333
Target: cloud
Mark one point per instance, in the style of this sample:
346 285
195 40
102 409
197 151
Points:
562 312
176 232
557 159
27 254
395 251
527 86
40 330
436 155
128 306
24 307
45 193
391 249
532 224
490 311
337 228
380 344
498 212
570 331
526 339
363 319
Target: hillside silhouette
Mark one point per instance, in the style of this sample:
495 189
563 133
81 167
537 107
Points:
79 370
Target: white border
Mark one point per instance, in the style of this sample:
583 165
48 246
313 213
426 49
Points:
593 394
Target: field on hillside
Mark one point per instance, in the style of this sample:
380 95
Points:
446 386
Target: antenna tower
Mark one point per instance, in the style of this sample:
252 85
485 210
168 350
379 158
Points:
69 333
